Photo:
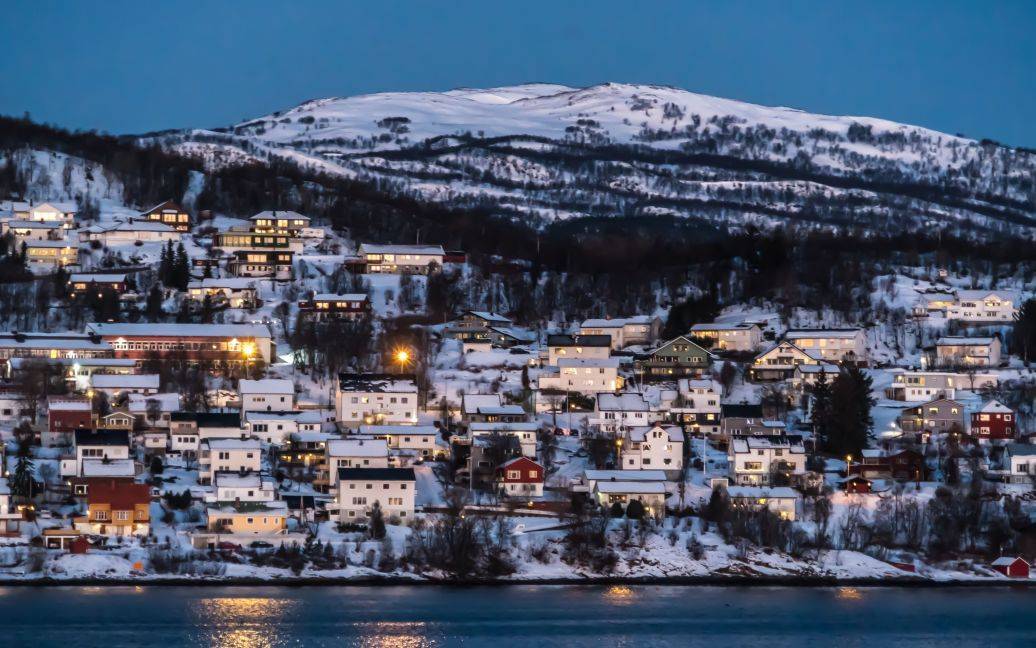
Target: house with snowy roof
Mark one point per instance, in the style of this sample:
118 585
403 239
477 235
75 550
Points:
401 259
372 399
765 460
617 412
233 292
964 351
779 361
624 331
994 421
742 337
652 447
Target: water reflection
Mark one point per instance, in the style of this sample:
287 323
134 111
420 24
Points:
848 594
242 622
394 635
619 595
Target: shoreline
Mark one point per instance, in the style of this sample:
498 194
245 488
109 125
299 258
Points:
398 581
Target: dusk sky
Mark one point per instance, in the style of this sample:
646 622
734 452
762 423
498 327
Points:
136 66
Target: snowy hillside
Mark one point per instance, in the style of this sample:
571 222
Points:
548 152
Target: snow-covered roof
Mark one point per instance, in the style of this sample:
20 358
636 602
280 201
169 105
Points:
491 317
1006 561
274 215
130 381
593 363
179 330
687 384
817 368
31 224
398 430
723 326
377 383
357 448
69 405
233 444
624 402
266 386
233 283
168 402
639 434
141 225
374 248
978 295
950 340
108 468
100 278
65 206
67 341
762 492
996 407
347 297
639 487
226 479
624 475
791 443
502 427
34 243
810 334
253 416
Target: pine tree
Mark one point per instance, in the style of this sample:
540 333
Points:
165 265
153 308
22 481
820 416
1025 329
181 268
850 420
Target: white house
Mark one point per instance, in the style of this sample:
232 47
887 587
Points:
624 331
1022 462
588 376
652 447
228 455
355 453
417 438
597 347
779 361
235 292
116 384
489 408
757 460
652 494
99 445
983 306
957 351
523 431
235 488
831 345
267 394
131 231
399 259
698 405
375 399
782 500
274 428
742 336
54 212
359 488
615 412
923 386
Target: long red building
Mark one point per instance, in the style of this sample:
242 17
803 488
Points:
218 343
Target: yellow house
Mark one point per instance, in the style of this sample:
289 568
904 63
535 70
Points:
51 253
249 518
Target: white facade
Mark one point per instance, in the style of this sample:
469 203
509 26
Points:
617 412
967 352
235 487
524 432
781 500
268 394
376 400
237 292
395 259
755 460
831 345
656 447
585 376
729 337
419 438
624 331
355 453
982 306
228 455
359 488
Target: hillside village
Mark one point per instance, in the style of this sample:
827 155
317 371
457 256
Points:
189 394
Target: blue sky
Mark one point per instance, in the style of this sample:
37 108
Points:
137 66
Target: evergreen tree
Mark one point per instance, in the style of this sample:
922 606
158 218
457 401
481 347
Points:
850 419
181 268
165 265
153 308
206 309
1024 337
820 416
22 482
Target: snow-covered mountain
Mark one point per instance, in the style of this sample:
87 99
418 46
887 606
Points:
544 152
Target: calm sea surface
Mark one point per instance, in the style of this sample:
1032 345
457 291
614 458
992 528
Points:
571 616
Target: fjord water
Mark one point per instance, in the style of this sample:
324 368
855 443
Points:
523 615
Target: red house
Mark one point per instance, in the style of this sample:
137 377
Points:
905 465
994 421
857 484
65 416
520 477
1011 567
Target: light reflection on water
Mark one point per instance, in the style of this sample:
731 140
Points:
242 622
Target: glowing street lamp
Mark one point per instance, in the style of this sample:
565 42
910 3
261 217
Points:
401 357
